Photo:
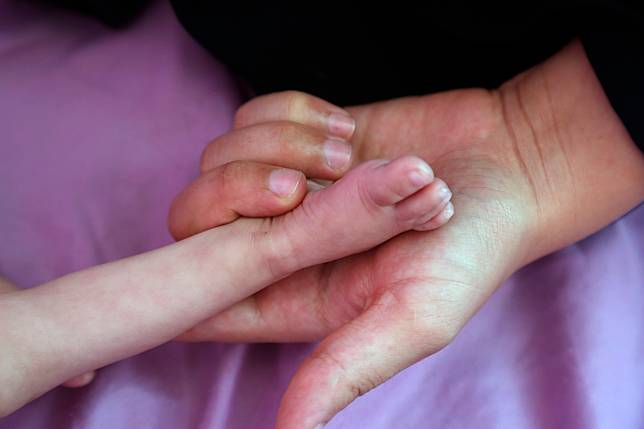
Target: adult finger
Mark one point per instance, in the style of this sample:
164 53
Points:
295 106
239 188
283 143
390 336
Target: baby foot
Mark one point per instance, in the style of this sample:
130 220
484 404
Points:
372 203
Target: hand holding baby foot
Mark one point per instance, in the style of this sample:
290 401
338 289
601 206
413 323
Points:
242 159
366 287
94 317
521 190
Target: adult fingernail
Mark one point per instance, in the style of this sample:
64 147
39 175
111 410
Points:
341 125
284 181
337 154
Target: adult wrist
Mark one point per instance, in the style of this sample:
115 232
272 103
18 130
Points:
581 166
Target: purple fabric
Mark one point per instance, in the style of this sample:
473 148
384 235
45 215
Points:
99 129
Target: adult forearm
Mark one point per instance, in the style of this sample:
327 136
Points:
583 167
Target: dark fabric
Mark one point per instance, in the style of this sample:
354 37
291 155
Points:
615 50
347 55
115 13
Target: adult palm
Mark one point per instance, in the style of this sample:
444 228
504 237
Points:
380 311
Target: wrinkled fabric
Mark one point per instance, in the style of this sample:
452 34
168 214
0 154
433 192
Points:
100 129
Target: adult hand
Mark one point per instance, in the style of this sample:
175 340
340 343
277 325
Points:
532 167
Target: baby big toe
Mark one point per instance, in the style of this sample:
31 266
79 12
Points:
394 181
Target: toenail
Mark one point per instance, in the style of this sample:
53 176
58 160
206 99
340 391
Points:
444 193
421 176
448 211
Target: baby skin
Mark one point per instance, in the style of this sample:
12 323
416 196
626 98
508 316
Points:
97 316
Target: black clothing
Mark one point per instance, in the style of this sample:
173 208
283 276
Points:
343 53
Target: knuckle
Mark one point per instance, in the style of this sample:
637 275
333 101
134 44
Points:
223 181
433 325
240 118
285 131
296 102
439 334
435 332
229 174
208 155
290 105
366 383
353 386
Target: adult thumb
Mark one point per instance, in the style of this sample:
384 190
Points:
388 337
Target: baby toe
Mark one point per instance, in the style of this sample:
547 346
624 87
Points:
392 182
424 205
439 220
